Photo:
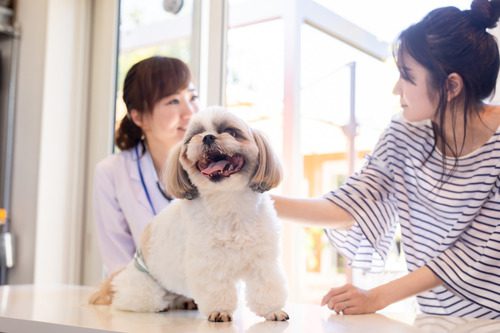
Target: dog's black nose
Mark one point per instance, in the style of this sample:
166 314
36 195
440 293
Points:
208 139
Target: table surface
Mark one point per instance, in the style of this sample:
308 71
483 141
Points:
26 308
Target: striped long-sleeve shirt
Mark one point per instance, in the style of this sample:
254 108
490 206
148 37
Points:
450 226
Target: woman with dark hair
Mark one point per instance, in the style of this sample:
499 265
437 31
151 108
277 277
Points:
435 170
160 101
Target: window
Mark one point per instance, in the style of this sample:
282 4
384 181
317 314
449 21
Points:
254 81
346 102
146 29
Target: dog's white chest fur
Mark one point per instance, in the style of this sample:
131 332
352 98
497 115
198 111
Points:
191 237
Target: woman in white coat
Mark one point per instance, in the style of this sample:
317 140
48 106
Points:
160 101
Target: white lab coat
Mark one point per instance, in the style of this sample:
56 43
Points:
121 207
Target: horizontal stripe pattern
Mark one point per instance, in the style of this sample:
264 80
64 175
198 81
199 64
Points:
452 227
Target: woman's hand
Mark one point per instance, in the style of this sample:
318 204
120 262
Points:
351 300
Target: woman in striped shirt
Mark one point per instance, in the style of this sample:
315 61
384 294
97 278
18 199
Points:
435 171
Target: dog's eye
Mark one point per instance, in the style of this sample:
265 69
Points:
231 131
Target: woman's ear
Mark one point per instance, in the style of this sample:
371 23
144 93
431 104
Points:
454 85
136 117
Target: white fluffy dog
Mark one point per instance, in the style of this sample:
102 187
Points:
224 229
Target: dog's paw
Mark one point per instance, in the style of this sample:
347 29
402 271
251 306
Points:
277 316
183 303
217 316
189 305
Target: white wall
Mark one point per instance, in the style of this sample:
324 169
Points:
50 140
63 143
33 17
101 121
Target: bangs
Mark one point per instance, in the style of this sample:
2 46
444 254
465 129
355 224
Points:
166 77
400 49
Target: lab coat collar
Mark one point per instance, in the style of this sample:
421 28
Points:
148 171
147 165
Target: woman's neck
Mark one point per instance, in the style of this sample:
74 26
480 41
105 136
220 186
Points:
479 129
159 154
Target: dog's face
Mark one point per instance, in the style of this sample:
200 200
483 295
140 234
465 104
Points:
219 153
218 147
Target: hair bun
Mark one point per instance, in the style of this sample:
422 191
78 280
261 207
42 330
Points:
484 14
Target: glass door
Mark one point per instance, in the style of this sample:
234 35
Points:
148 28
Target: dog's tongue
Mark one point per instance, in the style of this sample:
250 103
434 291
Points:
214 167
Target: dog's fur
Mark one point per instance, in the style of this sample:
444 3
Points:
223 230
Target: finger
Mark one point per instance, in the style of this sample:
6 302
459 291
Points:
341 307
352 310
333 295
325 299
337 299
341 299
346 296
334 306
334 291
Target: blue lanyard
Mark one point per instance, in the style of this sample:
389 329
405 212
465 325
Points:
142 181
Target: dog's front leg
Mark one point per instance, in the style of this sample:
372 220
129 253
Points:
215 295
266 291
137 291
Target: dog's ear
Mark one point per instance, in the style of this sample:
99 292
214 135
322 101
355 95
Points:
268 174
175 178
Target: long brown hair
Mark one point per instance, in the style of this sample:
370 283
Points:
146 83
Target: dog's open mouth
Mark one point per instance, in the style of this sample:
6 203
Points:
217 166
